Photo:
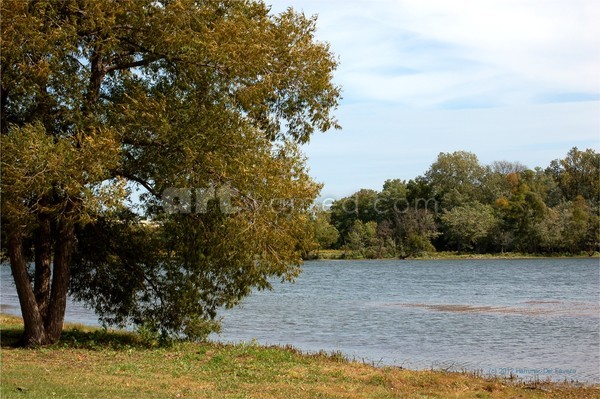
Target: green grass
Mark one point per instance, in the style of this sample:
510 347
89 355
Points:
92 363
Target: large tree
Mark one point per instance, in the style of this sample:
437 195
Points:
201 104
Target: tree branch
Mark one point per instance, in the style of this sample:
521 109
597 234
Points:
98 71
134 64
140 181
158 56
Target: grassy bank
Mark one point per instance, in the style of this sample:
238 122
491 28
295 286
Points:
338 254
92 363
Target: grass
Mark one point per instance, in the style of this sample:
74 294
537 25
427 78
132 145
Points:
93 363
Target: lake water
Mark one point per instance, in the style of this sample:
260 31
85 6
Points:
535 318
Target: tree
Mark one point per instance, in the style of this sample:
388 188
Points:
323 233
361 205
578 177
422 195
181 98
413 232
593 234
578 174
541 182
568 227
456 177
497 179
577 226
363 240
521 215
391 199
551 228
467 225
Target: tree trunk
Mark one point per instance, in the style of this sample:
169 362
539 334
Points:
34 333
43 306
60 280
43 258
3 102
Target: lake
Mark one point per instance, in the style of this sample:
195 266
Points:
534 318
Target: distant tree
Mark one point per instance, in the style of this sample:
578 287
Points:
541 182
496 181
414 230
576 230
457 177
325 234
568 227
578 177
551 229
521 214
501 238
392 199
578 174
422 195
500 207
466 226
361 205
504 168
363 240
387 240
593 234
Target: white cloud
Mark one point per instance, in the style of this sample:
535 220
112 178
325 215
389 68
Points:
420 77
516 50
553 42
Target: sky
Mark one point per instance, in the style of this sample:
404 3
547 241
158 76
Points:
514 80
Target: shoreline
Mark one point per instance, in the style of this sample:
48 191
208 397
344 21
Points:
338 254
340 356
113 363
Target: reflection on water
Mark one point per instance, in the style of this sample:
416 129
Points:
532 318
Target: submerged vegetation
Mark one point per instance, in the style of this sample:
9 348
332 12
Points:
466 208
95 363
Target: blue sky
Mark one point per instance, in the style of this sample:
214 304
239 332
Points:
515 80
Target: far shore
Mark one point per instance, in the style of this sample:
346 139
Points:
338 254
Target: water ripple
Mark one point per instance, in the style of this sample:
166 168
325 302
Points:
532 308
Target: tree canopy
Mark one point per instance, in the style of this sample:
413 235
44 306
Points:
459 204
99 97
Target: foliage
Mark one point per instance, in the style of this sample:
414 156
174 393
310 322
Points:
467 225
577 174
392 199
36 166
461 205
456 177
363 240
323 232
414 231
359 206
102 97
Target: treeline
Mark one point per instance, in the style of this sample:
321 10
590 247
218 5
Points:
461 205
